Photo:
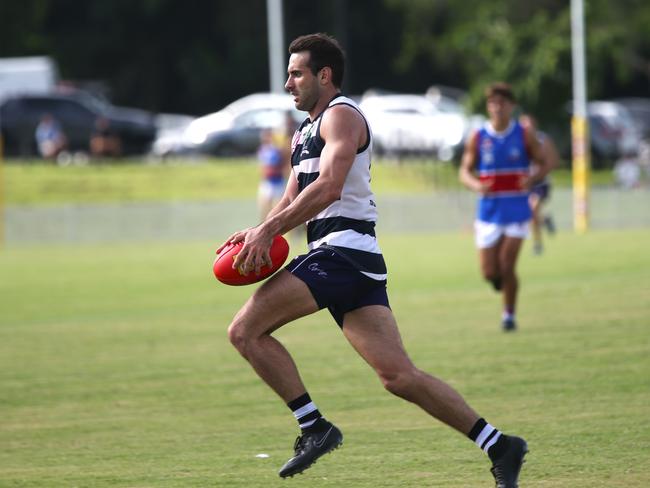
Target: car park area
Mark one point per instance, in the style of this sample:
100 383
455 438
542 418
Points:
77 113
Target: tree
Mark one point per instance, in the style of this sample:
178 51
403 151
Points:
529 45
511 41
196 56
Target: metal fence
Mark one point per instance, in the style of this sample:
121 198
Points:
611 208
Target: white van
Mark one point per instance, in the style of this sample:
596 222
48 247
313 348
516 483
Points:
27 75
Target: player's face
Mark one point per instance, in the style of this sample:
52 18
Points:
301 82
499 110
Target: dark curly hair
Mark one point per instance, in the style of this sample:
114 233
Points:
324 51
502 89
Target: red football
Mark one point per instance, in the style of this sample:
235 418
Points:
225 273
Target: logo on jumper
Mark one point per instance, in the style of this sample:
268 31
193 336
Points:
487 156
314 267
301 136
514 154
308 132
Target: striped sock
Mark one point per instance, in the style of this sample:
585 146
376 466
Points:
305 411
488 438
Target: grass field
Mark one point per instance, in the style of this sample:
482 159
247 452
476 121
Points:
36 183
115 370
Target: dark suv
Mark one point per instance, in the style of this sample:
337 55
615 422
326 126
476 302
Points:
77 113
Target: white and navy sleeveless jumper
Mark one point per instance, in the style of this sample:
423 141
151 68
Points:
347 226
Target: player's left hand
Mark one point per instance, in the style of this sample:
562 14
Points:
256 250
233 239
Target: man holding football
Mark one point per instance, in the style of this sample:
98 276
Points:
497 165
344 270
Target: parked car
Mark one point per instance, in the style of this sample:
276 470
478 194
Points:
620 121
450 99
639 109
233 131
413 124
169 133
604 140
612 134
77 113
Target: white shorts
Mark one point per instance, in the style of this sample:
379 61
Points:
270 191
487 233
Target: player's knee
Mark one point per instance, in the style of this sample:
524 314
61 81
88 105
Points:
398 382
234 335
508 270
238 337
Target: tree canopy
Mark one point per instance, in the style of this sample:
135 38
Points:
195 56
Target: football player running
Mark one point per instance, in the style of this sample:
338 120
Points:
344 271
496 164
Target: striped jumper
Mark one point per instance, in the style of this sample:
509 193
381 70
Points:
347 226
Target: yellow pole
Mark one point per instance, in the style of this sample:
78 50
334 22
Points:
579 126
580 146
2 194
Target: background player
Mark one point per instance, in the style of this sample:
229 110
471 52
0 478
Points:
273 168
496 164
541 191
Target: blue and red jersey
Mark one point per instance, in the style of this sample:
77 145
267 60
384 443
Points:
502 162
270 158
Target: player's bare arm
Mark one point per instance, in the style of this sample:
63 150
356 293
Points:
537 159
467 164
550 154
343 131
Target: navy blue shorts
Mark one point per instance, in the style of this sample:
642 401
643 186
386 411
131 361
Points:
542 190
336 284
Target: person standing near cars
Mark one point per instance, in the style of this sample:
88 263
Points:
50 138
496 164
104 140
343 271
